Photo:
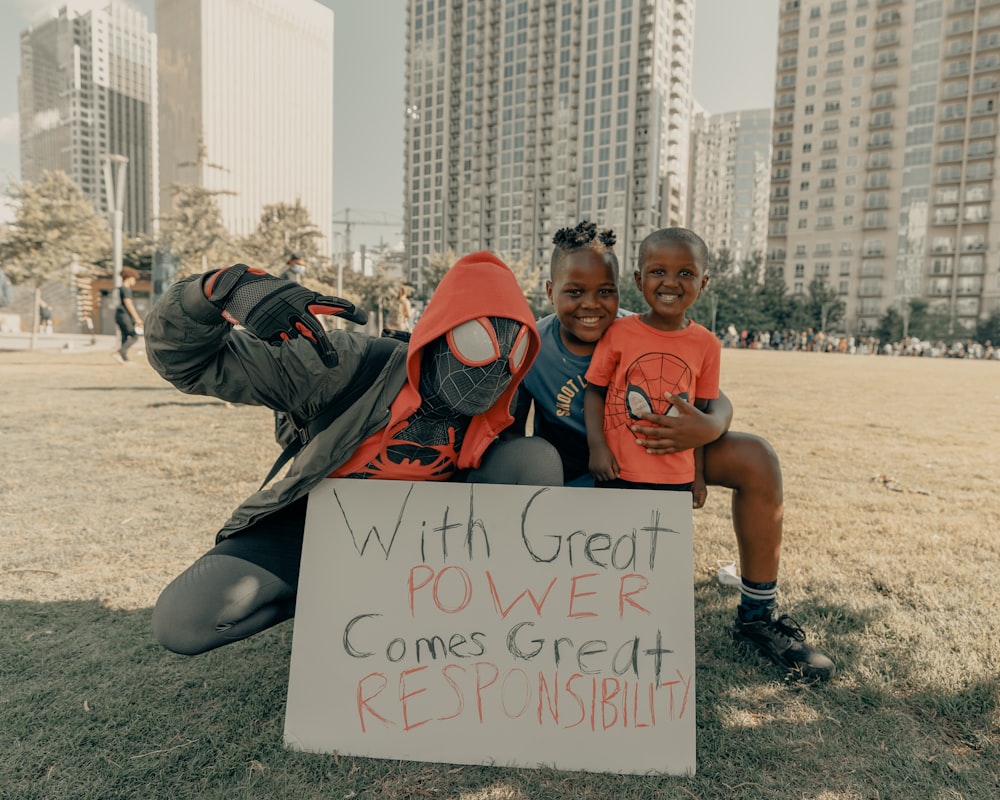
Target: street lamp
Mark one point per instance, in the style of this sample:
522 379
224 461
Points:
114 186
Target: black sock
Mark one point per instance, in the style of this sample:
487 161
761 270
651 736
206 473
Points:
757 599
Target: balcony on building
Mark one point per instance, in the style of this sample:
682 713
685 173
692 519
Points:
955 69
887 58
988 19
946 215
887 38
883 100
974 264
960 47
985 84
988 62
960 26
884 79
959 89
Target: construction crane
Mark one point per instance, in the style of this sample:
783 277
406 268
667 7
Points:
348 223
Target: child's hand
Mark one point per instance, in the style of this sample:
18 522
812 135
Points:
685 429
699 492
603 465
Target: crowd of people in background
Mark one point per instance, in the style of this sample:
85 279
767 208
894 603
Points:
812 341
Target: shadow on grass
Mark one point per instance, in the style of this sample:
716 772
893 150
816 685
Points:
92 707
870 732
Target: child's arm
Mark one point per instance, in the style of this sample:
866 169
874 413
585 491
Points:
603 464
699 489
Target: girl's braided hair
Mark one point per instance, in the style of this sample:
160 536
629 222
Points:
585 236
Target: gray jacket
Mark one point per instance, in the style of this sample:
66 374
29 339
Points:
191 346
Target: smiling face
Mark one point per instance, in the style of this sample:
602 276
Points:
670 279
584 293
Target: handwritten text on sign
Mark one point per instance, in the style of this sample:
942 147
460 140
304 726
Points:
516 625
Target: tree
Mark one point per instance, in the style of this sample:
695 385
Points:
433 271
54 225
929 323
194 232
532 285
376 292
629 296
988 330
890 326
731 295
822 305
776 306
284 228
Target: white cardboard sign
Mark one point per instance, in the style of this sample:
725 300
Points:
485 624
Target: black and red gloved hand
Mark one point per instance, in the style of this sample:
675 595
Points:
277 310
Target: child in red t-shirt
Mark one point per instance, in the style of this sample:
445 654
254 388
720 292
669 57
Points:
646 359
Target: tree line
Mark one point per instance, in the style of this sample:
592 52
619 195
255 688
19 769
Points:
752 297
55 225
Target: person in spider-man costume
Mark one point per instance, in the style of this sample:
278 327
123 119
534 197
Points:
432 411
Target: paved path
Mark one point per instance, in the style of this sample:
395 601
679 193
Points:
65 342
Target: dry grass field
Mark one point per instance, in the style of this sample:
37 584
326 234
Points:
111 482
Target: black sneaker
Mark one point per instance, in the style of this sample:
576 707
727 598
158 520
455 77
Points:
784 642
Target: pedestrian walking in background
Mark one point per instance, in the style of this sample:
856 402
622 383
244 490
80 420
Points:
126 317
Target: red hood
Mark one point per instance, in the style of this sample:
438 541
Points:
478 285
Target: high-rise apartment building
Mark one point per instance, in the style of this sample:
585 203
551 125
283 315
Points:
524 116
730 180
885 155
87 89
246 106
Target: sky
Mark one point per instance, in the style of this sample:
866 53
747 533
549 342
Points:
734 58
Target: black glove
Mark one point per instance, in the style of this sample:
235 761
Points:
277 310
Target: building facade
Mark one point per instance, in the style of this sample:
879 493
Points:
885 155
87 89
730 181
246 106
524 116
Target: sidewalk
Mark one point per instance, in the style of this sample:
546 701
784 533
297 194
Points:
63 342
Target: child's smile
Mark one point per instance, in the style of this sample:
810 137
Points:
670 280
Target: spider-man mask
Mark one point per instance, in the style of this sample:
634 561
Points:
468 369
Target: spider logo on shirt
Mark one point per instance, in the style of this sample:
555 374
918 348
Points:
647 379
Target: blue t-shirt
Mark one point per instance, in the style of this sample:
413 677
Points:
555 382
